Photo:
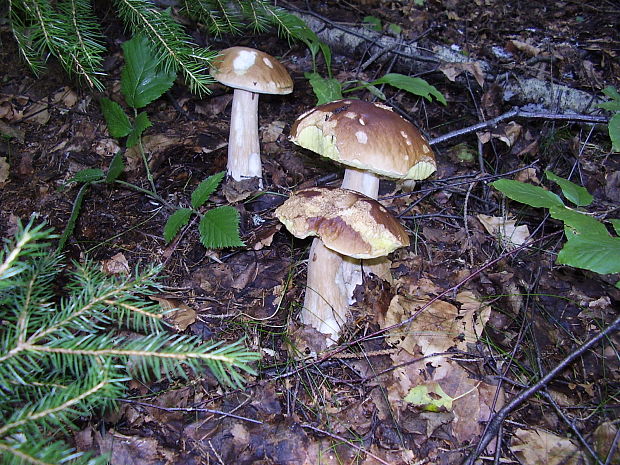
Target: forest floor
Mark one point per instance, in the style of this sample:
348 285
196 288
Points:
506 316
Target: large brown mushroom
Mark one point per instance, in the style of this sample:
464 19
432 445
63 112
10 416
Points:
369 139
250 72
348 226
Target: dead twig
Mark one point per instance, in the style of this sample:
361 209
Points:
493 426
518 113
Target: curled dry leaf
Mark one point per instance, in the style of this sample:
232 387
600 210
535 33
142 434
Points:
509 234
177 313
453 70
507 133
116 265
544 448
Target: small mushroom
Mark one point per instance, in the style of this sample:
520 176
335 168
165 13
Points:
369 138
349 226
250 72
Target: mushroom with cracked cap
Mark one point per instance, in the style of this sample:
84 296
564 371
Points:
250 72
349 226
369 138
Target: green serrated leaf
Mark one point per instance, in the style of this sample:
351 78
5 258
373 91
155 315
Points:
219 228
614 103
416 86
89 175
533 196
115 118
616 225
430 397
372 22
618 285
614 132
142 79
573 192
141 123
175 222
598 254
579 222
117 165
326 90
207 187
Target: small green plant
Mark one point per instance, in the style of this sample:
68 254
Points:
143 80
70 338
614 122
589 244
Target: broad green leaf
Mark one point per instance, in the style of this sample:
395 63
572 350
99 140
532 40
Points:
579 222
326 90
614 132
616 225
394 29
89 175
372 22
175 222
573 192
116 118
219 228
533 196
141 123
207 187
416 86
117 165
327 55
143 79
598 254
429 397
375 91
614 103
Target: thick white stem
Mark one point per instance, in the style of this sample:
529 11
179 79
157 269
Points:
325 303
361 181
243 143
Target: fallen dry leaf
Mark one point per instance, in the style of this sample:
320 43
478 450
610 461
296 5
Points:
528 175
116 265
508 133
176 312
544 448
4 170
453 70
67 96
603 439
37 113
11 132
509 234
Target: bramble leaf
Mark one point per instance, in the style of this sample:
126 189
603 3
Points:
574 192
616 225
614 132
115 118
529 194
219 228
117 165
614 103
207 187
175 222
141 123
142 79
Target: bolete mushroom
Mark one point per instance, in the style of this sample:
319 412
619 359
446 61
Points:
348 226
250 72
369 138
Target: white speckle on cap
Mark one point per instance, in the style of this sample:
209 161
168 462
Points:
268 62
406 137
406 157
362 122
244 60
425 148
362 137
350 115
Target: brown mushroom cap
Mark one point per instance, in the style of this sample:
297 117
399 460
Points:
347 222
252 70
367 136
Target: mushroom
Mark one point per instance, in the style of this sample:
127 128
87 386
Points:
250 72
348 226
369 138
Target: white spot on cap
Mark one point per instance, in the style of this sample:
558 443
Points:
268 62
243 61
362 122
362 137
425 148
406 137
350 115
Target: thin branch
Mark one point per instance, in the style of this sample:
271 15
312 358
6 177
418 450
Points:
498 419
518 113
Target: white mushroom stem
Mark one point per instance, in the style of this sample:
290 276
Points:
361 181
243 142
325 303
